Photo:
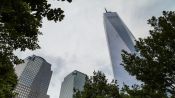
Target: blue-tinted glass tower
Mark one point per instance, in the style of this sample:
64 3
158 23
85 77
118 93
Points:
118 37
73 81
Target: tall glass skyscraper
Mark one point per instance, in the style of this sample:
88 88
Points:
34 77
74 80
119 37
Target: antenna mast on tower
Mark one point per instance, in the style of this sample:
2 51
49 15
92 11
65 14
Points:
106 10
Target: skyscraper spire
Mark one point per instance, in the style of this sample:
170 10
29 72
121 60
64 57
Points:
106 10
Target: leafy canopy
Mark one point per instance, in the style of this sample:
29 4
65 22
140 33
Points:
20 21
155 64
96 86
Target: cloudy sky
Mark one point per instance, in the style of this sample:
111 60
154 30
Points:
79 42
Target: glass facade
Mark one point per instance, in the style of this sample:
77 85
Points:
74 80
119 37
34 78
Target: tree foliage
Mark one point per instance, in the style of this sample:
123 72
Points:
154 62
97 87
20 21
8 80
140 91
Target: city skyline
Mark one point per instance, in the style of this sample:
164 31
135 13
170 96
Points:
79 41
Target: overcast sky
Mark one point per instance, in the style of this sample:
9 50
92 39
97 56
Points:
79 42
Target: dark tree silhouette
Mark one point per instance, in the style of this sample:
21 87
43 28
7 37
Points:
154 62
20 21
96 86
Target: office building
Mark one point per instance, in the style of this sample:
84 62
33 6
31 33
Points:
73 81
118 37
33 78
